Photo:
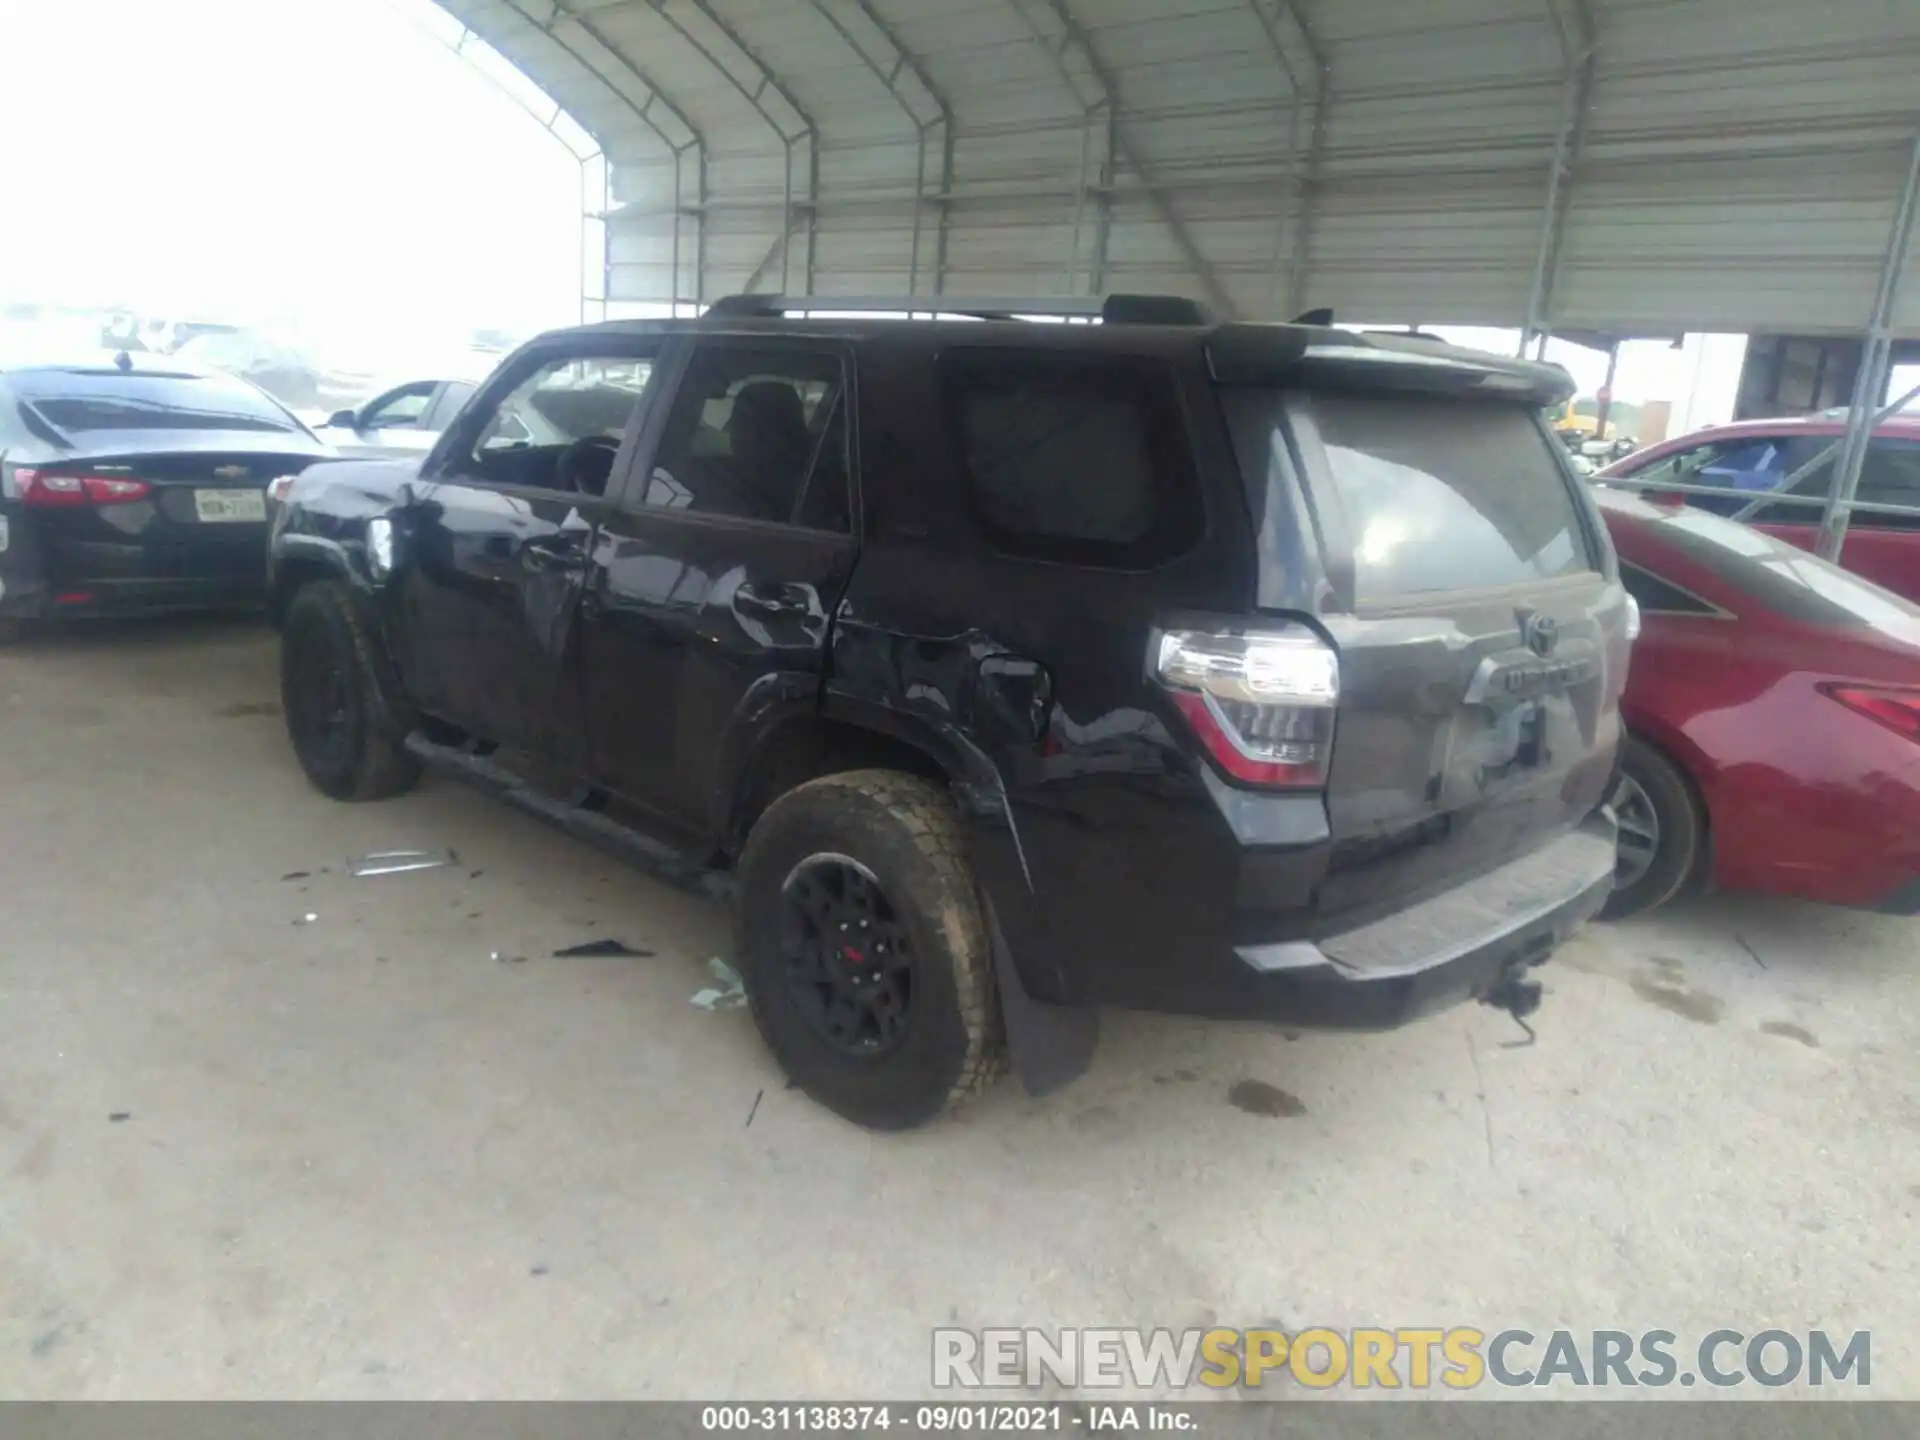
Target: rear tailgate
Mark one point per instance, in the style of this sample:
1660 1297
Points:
1468 587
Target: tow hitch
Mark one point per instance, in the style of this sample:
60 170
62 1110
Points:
1519 996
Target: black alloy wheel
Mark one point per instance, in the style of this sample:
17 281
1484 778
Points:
848 958
864 948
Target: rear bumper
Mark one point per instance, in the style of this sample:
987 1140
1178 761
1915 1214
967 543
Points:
1457 946
103 598
50 577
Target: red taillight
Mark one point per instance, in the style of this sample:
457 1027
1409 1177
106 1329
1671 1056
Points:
112 490
49 492
45 491
1261 702
1897 709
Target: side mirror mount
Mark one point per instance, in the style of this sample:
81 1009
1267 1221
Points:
343 420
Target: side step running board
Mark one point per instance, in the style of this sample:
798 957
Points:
656 857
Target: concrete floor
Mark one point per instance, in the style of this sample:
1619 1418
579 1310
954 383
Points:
361 1158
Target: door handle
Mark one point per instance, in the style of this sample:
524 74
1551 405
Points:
555 554
775 599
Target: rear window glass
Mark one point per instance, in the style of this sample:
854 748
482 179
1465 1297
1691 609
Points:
80 401
1082 461
1445 495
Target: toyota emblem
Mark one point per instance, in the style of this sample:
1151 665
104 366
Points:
1541 632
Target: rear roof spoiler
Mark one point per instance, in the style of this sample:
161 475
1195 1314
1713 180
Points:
1276 354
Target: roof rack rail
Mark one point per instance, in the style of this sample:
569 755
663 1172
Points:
1108 309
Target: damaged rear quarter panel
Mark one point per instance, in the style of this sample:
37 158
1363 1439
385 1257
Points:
1093 833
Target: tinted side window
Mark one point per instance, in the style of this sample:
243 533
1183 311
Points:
1676 465
566 400
1891 476
758 433
456 394
560 427
1078 460
1757 463
1755 458
398 409
1657 597
1800 451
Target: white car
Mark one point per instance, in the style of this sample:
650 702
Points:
403 420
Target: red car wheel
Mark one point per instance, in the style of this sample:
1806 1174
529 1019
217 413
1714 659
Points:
1661 830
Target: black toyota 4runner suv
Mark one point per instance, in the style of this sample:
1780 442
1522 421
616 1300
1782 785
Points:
1001 670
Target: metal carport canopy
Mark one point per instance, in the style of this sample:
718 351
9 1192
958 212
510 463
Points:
1606 164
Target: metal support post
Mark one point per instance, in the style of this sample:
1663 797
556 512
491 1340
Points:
1875 366
888 70
1062 33
1579 44
804 128
1604 401
1307 209
558 15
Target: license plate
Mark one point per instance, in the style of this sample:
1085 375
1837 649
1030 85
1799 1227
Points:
216 507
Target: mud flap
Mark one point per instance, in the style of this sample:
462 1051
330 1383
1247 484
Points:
1051 1045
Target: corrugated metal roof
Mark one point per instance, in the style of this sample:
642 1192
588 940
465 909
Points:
1731 164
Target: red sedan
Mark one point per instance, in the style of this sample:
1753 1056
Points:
1883 541
1773 709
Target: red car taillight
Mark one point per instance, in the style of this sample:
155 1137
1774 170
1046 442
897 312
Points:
112 490
1897 709
1261 701
41 490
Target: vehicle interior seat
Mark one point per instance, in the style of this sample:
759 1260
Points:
769 445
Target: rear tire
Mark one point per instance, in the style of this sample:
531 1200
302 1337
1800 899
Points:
863 950
339 716
1662 829
13 630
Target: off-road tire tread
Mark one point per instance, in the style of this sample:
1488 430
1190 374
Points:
385 767
927 814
